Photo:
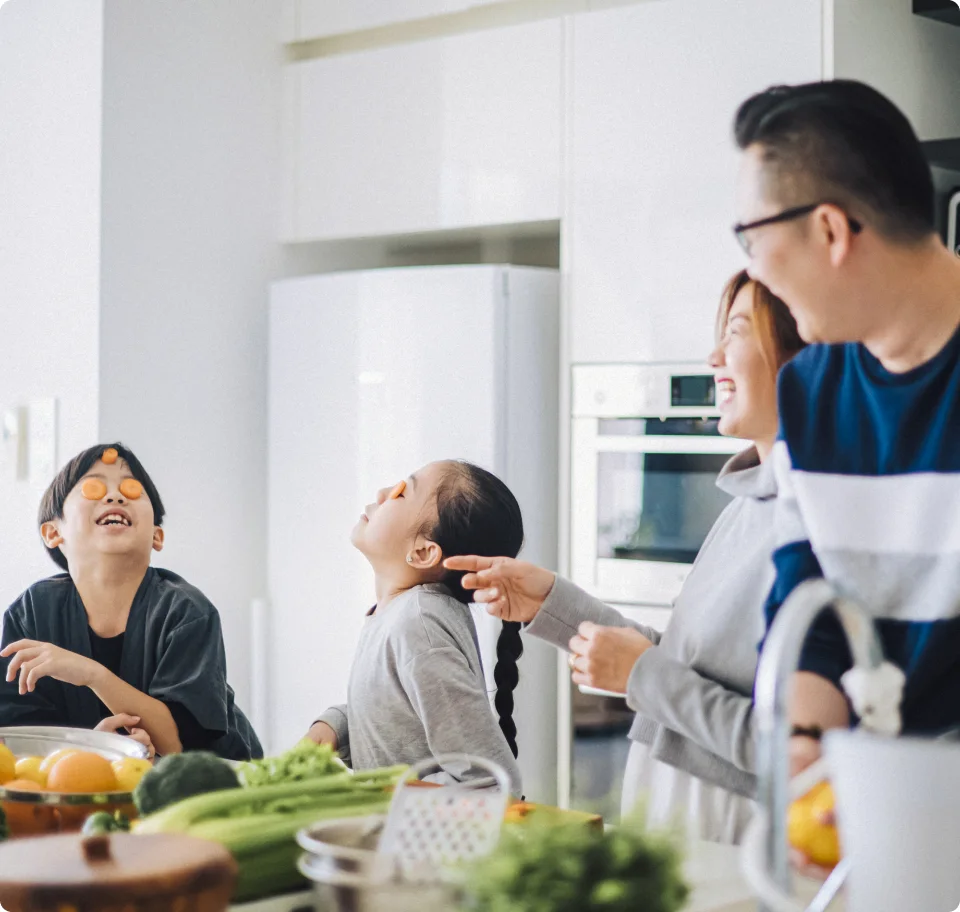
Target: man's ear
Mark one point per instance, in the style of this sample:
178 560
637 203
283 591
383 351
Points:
425 555
158 539
50 533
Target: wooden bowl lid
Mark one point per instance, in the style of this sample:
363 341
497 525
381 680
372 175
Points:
107 868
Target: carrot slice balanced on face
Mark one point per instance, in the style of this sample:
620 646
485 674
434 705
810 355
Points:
398 489
131 488
110 456
93 489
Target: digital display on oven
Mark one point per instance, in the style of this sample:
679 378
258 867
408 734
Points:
692 390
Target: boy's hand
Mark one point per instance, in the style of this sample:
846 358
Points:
35 660
128 724
509 589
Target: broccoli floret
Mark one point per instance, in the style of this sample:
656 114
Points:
181 776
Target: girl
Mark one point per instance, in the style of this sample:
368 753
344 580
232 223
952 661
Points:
416 687
113 642
693 740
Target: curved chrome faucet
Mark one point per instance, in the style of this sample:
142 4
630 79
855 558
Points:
778 664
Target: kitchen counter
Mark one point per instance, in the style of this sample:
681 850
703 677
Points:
713 871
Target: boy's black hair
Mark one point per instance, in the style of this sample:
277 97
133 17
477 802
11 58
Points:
842 142
51 504
478 514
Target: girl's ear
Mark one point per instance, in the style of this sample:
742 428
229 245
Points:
157 539
425 554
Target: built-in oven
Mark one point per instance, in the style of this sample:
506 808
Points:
645 455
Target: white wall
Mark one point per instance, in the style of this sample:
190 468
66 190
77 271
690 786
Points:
913 60
190 144
50 119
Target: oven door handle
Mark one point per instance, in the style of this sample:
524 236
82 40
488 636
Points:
673 445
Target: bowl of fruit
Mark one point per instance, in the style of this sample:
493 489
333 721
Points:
52 779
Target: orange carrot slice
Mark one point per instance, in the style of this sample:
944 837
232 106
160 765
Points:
398 489
131 488
110 456
93 489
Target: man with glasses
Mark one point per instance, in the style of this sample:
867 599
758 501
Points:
836 202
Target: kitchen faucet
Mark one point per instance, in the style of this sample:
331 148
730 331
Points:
779 662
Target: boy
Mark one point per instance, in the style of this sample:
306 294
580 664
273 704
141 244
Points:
112 637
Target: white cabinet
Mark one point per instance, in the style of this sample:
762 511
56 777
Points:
653 164
309 19
450 133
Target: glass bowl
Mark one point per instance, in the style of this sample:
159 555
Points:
38 813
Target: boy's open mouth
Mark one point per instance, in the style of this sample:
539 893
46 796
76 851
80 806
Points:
114 518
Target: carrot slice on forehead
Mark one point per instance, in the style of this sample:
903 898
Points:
110 456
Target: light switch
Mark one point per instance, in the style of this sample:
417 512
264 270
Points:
13 437
42 445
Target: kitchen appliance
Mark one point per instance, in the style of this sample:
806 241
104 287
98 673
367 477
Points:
373 374
944 158
645 455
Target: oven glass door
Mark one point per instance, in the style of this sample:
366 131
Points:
653 501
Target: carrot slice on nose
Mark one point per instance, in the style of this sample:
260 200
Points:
93 489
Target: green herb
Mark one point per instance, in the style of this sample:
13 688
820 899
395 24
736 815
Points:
574 868
306 760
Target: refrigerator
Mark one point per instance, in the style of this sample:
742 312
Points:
372 374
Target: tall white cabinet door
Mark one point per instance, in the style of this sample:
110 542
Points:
318 584
653 165
454 132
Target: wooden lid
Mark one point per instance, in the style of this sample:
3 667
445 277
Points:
121 866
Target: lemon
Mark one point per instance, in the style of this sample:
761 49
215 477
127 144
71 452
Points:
8 764
29 768
818 841
129 772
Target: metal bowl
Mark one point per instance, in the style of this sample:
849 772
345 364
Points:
31 813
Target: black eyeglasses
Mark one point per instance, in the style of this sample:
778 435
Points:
740 230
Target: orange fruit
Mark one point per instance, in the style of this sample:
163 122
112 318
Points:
29 768
8 764
48 762
22 785
805 831
82 771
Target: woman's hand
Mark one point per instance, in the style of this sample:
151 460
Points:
512 590
35 660
603 657
321 733
129 725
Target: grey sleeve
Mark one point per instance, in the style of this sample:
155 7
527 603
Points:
568 606
712 716
336 718
450 700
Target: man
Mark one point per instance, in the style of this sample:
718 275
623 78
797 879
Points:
836 207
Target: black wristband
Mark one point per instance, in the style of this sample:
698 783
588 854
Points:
807 731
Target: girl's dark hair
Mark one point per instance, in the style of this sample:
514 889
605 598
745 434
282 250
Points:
51 505
779 338
478 514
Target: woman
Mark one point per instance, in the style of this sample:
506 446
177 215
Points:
693 751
